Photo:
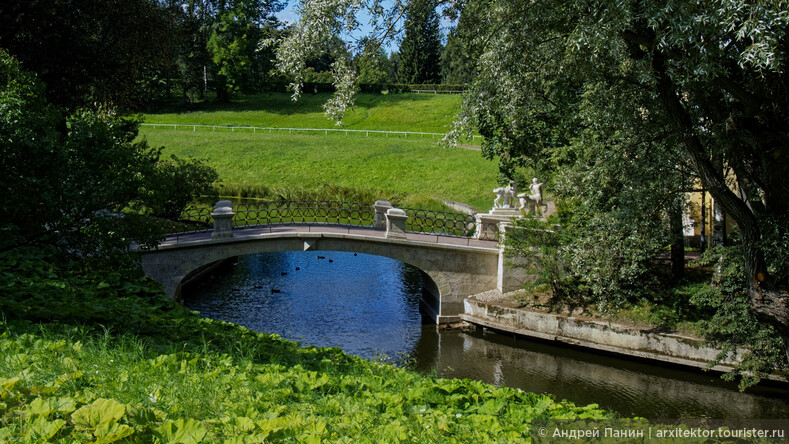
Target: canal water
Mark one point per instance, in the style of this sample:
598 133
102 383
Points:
369 306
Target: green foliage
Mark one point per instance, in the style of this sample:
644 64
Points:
624 106
114 51
178 182
193 58
27 147
372 63
218 46
733 322
458 59
420 50
539 247
233 44
775 242
67 374
87 188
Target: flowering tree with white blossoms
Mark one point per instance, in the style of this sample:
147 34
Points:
319 22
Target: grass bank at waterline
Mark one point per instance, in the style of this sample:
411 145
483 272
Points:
391 112
420 168
116 360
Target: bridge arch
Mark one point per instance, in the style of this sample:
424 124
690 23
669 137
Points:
453 271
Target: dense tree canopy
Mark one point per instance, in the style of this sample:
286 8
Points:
129 53
458 62
218 40
87 51
371 62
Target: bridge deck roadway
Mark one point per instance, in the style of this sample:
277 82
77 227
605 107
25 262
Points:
176 239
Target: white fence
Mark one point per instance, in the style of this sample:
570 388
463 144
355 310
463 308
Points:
435 91
270 130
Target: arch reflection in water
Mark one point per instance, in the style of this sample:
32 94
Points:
368 305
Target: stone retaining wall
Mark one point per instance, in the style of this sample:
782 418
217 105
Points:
609 337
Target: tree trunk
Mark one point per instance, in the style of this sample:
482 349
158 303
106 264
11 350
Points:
677 241
771 306
719 225
222 93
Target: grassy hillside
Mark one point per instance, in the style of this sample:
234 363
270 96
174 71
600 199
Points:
418 169
392 112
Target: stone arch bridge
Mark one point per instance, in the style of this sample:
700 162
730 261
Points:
452 267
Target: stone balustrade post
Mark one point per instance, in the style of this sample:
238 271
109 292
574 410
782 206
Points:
395 223
487 226
223 219
381 207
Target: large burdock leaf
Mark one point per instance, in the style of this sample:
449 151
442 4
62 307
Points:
102 411
45 407
43 429
182 432
40 407
6 385
144 416
111 432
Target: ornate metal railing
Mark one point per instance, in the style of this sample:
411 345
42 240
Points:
300 212
439 222
350 214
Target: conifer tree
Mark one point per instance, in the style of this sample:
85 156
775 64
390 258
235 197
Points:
420 51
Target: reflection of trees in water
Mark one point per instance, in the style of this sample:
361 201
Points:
627 387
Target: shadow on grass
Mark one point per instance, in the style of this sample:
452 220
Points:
282 104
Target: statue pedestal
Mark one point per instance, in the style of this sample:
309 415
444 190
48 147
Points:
488 224
507 213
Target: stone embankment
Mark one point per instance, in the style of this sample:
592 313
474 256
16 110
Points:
492 310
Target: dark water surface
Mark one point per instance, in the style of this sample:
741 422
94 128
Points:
369 306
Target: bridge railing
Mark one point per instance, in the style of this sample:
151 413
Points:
439 222
303 211
339 213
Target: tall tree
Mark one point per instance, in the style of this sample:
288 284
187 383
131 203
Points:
714 72
219 41
88 191
420 50
394 66
87 51
459 56
237 29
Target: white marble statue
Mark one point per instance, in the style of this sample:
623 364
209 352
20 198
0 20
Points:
505 195
533 200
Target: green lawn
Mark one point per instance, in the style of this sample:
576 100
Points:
390 112
417 170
